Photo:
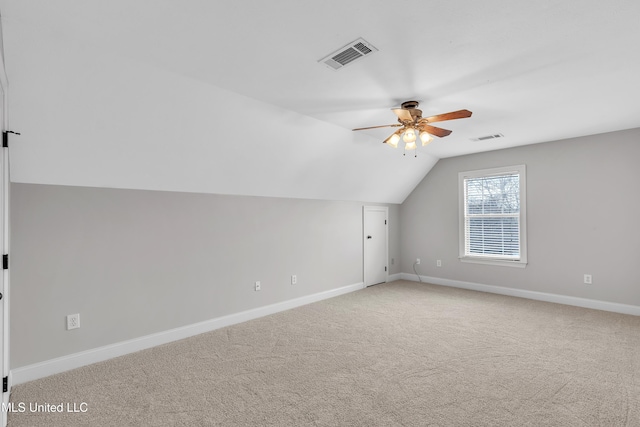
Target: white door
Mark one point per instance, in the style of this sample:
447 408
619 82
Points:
4 243
375 244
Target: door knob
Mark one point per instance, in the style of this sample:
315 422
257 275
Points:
368 237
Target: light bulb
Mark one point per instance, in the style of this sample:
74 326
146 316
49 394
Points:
409 135
410 145
393 140
425 138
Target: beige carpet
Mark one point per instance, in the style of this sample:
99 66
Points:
399 354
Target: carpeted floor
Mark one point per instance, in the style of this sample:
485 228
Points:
398 354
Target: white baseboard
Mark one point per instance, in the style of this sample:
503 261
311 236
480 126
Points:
76 360
540 296
394 277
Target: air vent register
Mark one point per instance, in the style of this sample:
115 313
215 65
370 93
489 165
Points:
346 55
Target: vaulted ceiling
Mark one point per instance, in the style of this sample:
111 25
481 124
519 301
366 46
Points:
229 97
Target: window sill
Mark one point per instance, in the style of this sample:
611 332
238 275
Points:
489 261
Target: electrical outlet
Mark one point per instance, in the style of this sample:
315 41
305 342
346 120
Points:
417 260
393 261
587 279
73 321
439 263
257 286
294 279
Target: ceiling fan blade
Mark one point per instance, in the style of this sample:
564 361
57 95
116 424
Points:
439 132
403 115
383 126
460 114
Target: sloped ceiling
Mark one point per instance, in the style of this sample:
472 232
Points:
228 97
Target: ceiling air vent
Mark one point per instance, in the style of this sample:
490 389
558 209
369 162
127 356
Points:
347 54
486 137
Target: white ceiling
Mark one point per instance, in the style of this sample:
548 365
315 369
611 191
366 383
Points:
229 97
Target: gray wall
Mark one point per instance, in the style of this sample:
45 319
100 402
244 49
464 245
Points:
136 262
582 205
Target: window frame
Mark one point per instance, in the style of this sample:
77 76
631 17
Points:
494 260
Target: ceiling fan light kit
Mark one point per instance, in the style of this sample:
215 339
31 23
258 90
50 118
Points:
411 121
410 145
393 139
409 136
425 138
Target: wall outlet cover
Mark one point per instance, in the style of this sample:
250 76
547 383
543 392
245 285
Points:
73 321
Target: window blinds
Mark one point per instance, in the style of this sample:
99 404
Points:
492 216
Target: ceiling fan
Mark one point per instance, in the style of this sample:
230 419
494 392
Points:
410 121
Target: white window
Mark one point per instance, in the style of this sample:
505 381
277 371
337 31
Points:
493 216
